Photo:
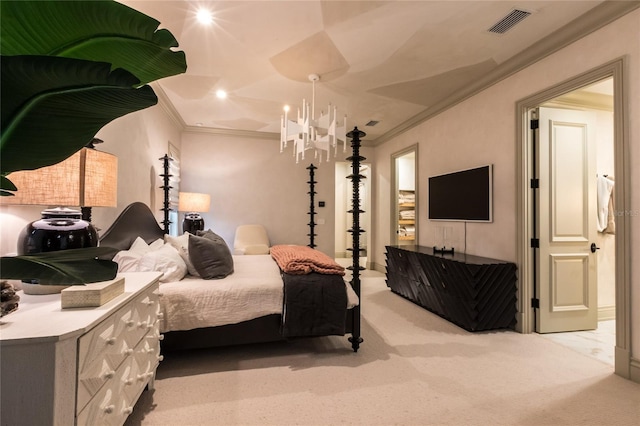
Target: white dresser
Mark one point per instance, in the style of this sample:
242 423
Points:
85 366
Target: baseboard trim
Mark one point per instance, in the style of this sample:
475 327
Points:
606 313
378 267
634 370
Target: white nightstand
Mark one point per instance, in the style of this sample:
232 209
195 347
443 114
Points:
83 365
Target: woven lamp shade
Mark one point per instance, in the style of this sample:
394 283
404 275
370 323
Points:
89 178
193 202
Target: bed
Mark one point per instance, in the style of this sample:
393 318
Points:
258 302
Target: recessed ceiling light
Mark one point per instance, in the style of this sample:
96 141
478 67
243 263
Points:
221 94
204 16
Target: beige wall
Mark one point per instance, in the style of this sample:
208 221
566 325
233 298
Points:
250 181
482 130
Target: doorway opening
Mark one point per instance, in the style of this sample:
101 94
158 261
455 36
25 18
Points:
404 197
533 279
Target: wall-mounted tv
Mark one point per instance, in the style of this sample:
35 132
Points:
466 195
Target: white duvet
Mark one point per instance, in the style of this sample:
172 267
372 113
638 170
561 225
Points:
254 290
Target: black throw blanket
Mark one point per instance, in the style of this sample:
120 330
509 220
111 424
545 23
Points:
314 305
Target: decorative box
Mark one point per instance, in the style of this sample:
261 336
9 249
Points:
91 295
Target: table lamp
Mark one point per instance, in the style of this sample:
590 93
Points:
194 204
86 179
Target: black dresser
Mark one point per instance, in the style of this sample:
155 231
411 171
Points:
475 293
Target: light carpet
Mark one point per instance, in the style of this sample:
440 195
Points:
413 368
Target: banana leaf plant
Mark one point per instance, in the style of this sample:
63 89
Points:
67 69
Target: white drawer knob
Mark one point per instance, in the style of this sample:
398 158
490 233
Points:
160 315
111 341
129 381
130 323
109 374
128 351
161 358
150 350
109 409
161 337
128 410
140 377
142 324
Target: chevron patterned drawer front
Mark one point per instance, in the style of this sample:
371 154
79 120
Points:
473 292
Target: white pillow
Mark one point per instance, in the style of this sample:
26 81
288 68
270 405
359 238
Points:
156 244
166 260
127 260
181 244
139 246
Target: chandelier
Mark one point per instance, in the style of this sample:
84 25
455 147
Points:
307 133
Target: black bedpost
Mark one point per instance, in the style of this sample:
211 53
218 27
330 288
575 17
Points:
165 189
312 208
355 230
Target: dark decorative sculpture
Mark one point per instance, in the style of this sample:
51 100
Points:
8 298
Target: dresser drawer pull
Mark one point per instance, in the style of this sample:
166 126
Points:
161 337
142 324
128 410
111 341
109 409
129 381
130 323
150 350
109 374
160 315
127 351
161 358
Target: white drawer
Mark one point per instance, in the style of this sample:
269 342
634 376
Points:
108 407
115 400
102 350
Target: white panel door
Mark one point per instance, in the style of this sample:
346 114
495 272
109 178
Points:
567 279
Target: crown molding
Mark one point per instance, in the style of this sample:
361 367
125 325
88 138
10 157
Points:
593 20
232 132
167 105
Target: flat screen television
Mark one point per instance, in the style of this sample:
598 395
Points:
465 196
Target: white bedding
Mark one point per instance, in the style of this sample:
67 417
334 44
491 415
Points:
254 289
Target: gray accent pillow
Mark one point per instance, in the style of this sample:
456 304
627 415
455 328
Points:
210 255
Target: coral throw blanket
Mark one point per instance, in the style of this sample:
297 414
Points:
300 260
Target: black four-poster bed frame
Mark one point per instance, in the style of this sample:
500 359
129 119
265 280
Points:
137 220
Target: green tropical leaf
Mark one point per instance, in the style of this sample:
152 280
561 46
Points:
103 31
89 59
51 107
63 267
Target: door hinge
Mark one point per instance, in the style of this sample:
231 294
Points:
535 183
535 303
535 243
534 124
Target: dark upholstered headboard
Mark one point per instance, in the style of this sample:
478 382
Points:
136 220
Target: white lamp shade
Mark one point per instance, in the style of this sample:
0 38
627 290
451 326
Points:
89 178
193 202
